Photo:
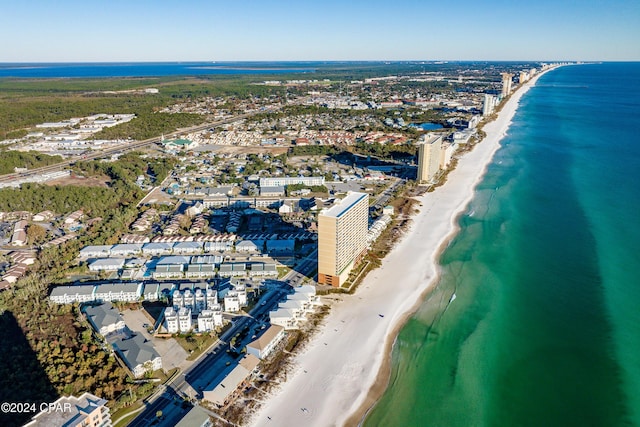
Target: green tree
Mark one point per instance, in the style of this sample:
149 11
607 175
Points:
36 234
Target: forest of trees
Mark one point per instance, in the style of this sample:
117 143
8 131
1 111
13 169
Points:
49 350
385 151
116 204
12 159
27 103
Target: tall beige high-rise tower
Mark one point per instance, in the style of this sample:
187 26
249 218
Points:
342 238
428 157
507 78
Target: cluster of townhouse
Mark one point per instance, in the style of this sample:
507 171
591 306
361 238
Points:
19 236
200 224
60 240
192 260
117 291
137 353
19 262
189 302
196 297
292 312
72 220
378 226
145 220
15 225
290 315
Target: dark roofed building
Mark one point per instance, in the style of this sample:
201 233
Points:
105 318
138 354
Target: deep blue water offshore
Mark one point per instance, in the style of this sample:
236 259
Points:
145 69
545 326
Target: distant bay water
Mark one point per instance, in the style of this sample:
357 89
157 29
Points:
148 69
428 126
544 328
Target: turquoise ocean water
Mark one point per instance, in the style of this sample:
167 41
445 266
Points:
544 329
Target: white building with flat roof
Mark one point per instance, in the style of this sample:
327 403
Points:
171 320
185 321
231 303
178 319
210 319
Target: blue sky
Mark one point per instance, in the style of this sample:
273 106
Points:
143 30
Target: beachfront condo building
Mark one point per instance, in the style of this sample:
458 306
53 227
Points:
342 238
429 147
490 102
507 78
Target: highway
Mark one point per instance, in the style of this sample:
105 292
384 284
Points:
208 369
123 148
386 195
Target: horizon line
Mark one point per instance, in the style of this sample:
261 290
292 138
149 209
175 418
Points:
432 61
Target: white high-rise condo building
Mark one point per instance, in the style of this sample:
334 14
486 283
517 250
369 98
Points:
490 102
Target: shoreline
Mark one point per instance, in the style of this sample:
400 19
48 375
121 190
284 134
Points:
340 387
380 384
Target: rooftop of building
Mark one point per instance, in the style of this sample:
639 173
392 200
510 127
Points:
103 315
81 407
118 287
232 380
343 205
429 139
72 290
195 417
136 350
265 339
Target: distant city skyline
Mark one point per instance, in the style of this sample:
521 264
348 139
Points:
278 30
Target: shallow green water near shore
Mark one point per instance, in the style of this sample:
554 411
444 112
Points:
544 328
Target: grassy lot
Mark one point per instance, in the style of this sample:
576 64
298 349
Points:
194 344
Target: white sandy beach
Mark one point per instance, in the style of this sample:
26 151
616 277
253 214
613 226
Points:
331 379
